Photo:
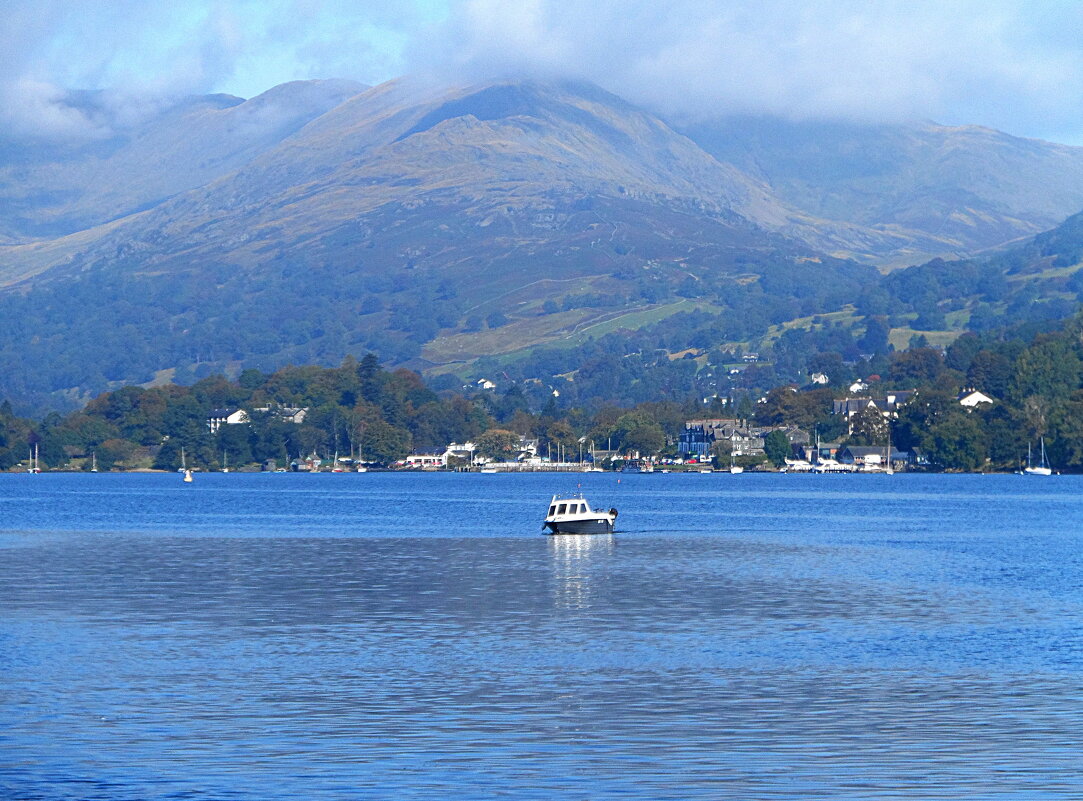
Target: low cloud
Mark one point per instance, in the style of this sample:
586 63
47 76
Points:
1008 64
1012 65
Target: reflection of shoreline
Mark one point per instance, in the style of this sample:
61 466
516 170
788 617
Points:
574 557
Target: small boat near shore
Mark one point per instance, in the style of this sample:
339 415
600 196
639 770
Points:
1042 469
572 515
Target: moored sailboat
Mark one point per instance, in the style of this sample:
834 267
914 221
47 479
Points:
1042 469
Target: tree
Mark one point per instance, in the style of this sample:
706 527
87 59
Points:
957 443
252 379
557 434
383 443
1048 369
961 353
744 407
233 444
635 431
876 335
868 427
498 443
787 406
112 451
989 372
777 447
916 367
720 452
647 439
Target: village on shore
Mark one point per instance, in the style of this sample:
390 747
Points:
978 405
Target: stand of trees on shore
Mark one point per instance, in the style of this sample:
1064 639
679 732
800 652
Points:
361 410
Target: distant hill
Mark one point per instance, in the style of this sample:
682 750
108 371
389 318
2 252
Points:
1036 281
930 190
401 219
439 226
140 157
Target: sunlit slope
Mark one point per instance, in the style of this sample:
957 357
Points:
931 190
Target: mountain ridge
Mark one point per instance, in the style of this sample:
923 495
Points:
414 220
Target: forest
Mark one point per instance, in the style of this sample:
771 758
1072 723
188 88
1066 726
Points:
375 415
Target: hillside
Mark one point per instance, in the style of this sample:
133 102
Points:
445 227
933 190
136 158
1038 281
405 215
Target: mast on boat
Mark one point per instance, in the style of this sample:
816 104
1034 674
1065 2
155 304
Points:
890 470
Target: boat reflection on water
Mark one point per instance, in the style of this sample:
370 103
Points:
579 560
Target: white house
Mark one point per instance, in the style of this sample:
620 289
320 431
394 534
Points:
456 450
426 460
971 398
230 417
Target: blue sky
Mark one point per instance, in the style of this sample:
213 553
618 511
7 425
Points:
1017 66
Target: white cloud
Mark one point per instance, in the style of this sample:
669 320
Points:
1009 64
997 63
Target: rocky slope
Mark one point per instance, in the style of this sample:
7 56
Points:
932 190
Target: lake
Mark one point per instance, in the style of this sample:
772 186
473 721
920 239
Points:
404 636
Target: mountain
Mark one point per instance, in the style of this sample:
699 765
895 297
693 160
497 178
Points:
930 190
138 157
500 154
1038 281
429 224
440 226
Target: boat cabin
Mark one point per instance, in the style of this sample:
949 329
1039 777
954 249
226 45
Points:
572 515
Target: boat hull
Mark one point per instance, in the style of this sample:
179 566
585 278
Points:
600 525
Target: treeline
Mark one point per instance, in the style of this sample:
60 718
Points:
361 410
1036 384
357 409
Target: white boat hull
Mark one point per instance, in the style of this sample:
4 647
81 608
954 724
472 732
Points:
573 515
599 525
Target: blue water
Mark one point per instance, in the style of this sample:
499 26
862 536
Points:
394 636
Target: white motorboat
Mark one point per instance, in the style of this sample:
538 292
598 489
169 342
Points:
572 514
831 466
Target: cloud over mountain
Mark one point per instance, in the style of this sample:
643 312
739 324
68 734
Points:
1007 64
